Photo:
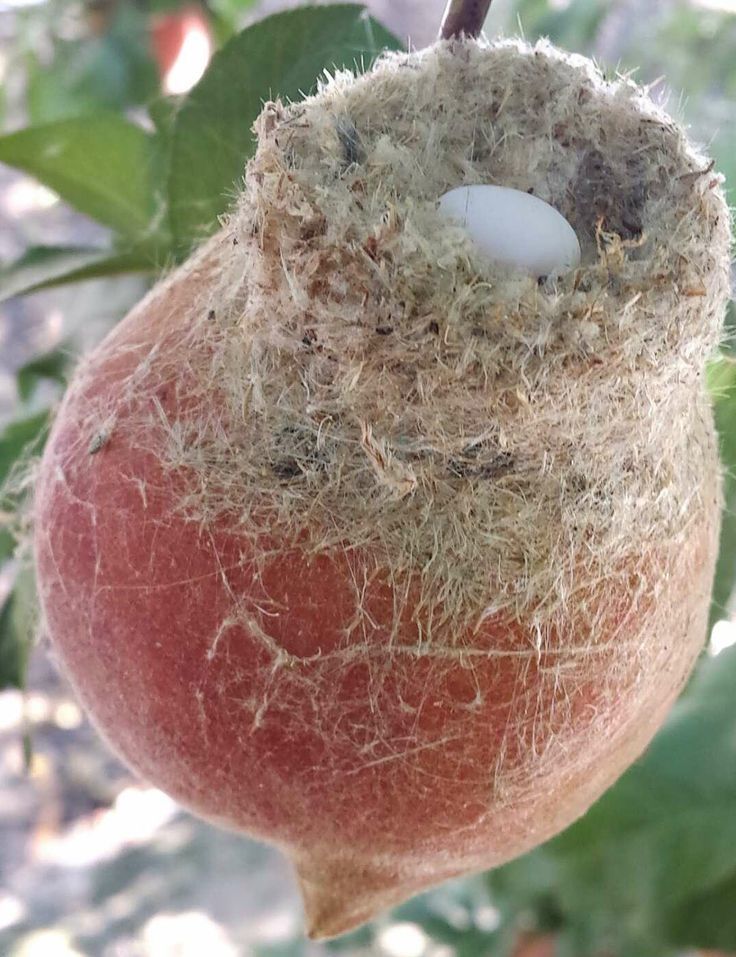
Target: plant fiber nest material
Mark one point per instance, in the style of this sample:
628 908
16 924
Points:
508 470
404 397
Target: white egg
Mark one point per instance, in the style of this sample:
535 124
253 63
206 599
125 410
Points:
514 228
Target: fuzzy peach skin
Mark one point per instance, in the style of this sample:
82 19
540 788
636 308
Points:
372 767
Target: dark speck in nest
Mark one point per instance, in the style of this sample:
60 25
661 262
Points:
286 469
352 147
598 190
467 468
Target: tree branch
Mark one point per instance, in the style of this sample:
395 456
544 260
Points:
464 18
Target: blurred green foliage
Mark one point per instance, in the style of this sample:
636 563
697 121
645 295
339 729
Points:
633 874
652 868
211 135
722 383
83 57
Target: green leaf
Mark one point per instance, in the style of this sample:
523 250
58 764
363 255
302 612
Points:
17 437
722 383
77 72
12 659
708 920
17 615
17 627
226 16
7 543
43 266
102 165
573 26
163 111
49 366
659 841
281 56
